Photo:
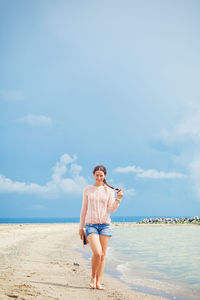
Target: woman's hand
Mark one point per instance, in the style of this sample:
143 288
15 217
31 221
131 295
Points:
81 233
119 194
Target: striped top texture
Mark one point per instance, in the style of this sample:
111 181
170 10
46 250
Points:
98 202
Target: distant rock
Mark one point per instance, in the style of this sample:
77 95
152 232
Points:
161 220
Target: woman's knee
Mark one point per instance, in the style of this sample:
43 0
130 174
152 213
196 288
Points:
103 255
97 255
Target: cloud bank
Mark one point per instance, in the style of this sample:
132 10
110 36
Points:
151 173
57 186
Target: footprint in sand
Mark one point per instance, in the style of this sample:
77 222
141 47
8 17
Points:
31 274
27 289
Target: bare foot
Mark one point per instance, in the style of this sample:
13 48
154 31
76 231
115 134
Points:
93 283
100 287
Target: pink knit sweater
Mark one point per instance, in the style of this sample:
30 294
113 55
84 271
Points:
98 202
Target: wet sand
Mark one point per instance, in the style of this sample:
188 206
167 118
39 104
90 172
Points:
39 261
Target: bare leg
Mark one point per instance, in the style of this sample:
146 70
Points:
104 244
96 247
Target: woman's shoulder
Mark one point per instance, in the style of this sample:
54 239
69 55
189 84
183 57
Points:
88 187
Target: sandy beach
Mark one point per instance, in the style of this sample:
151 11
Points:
38 261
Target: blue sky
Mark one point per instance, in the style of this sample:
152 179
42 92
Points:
99 82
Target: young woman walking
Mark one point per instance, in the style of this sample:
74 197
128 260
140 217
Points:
98 201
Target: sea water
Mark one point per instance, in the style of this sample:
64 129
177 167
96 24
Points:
157 259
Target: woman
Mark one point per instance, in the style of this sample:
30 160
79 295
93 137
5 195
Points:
98 201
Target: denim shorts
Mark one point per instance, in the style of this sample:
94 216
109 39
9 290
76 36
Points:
102 229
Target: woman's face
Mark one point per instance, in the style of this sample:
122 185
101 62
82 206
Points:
99 177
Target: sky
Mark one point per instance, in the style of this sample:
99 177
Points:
93 82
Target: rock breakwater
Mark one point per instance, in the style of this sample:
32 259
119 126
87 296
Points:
162 220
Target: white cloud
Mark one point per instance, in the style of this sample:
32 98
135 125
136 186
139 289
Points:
186 128
160 174
152 173
11 95
8 185
57 186
127 192
128 169
194 168
35 120
75 169
130 192
189 126
60 167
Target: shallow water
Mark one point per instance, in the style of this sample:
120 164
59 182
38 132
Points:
164 259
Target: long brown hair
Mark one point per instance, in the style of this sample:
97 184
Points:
103 169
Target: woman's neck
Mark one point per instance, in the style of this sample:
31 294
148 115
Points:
98 184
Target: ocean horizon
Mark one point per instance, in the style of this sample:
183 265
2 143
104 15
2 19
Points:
122 219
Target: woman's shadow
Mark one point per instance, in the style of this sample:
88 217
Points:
62 285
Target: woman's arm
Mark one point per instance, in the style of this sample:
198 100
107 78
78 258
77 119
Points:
84 209
113 203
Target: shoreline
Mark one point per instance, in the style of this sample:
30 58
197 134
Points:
175 290
38 261
110 271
